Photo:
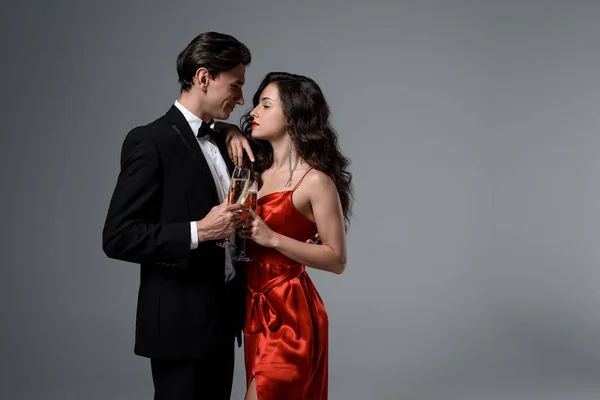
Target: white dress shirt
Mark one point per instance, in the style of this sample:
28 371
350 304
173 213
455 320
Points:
218 170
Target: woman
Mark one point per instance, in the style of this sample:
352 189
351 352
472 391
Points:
305 189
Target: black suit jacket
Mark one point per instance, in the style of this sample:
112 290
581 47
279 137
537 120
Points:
184 305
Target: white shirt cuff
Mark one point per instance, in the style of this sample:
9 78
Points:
194 235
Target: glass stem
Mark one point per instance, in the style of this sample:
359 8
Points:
243 252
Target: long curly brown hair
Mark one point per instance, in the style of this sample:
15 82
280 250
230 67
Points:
316 141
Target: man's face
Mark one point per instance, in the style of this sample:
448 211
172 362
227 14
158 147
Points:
225 92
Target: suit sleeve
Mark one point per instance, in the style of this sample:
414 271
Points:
132 231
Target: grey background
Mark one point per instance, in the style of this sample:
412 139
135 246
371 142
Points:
473 131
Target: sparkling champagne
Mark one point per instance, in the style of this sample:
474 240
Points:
250 201
238 191
240 180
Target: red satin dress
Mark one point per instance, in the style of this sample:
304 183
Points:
286 330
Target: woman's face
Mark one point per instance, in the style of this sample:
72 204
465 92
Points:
269 121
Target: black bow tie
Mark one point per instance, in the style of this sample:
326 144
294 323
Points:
204 130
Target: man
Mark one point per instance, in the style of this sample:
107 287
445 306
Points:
167 212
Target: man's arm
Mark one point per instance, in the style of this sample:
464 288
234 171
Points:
236 143
132 231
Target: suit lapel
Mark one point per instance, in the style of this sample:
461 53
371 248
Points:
183 131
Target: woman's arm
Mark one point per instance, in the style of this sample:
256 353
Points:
327 211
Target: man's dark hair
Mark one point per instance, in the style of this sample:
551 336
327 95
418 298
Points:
217 52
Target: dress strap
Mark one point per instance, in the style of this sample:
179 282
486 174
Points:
301 179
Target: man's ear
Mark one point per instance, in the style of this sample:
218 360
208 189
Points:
202 78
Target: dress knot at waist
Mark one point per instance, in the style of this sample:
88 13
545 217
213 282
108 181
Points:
256 312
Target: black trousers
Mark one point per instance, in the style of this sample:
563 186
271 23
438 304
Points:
207 378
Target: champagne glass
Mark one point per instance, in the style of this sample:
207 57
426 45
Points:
249 202
238 189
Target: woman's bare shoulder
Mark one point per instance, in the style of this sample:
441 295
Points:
319 180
